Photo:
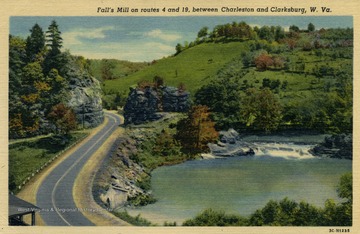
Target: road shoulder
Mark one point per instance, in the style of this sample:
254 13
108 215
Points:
82 191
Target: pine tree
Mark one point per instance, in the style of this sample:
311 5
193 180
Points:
54 44
35 43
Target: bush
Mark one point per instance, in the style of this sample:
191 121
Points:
212 217
136 221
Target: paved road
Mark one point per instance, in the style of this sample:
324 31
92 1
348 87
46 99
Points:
55 196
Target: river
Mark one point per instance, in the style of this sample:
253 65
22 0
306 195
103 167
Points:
240 185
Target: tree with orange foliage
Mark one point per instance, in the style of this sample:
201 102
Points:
196 131
63 118
263 62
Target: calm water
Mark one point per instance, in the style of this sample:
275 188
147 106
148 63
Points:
241 184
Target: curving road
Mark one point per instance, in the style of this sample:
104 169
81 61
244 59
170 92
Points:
55 196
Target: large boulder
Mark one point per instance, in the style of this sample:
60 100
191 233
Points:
335 146
85 100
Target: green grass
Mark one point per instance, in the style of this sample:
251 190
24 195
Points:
197 65
192 67
26 157
121 69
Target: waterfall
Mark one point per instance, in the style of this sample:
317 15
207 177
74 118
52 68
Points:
272 149
284 150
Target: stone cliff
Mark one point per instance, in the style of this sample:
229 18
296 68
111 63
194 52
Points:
85 99
145 104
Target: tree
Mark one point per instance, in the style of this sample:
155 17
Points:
279 33
210 217
261 109
166 145
266 34
35 43
203 33
345 191
31 74
311 27
54 44
294 28
178 48
196 131
106 69
58 86
278 62
345 187
17 57
54 39
63 118
263 62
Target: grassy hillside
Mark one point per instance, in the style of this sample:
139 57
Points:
306 83
196 67
192 67
310 78
121 68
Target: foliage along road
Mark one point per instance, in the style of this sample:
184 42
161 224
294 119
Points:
55 194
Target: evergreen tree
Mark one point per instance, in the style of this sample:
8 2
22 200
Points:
54 44
35 43
311 27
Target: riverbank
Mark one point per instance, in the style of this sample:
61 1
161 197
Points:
124 179
124 182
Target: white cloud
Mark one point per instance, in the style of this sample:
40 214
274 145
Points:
147 46
136 51
158 33
74 36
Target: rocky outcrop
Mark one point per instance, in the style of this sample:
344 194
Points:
85 100
122 177
230 145
144 105
336 146
174 100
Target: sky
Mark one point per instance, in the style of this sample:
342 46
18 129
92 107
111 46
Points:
141 39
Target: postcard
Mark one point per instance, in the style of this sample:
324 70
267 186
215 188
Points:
179 117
